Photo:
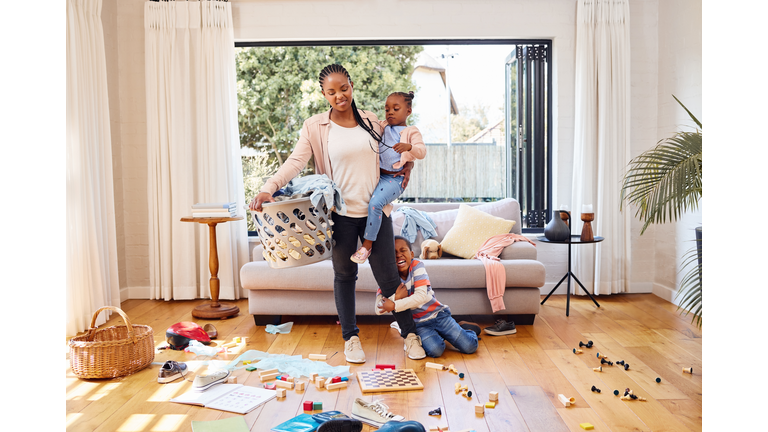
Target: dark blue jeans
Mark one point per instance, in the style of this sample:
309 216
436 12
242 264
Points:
346 233
443 328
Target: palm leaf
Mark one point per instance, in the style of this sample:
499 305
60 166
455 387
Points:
690 291
665 181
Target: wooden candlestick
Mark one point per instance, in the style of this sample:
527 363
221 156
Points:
586 231
564 215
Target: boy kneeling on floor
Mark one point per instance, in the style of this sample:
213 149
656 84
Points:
434 324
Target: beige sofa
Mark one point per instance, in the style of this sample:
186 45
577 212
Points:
459 283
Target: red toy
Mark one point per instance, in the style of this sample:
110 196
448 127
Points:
384 366
308 406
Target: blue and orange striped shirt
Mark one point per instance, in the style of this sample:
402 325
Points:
417 282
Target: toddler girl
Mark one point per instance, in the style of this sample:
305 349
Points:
399 144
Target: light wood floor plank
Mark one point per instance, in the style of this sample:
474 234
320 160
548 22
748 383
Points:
535 365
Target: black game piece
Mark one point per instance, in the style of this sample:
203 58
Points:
436 412
626 366
595 389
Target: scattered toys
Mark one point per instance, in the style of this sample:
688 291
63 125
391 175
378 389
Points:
281 392
565 400
385 366
595 389
308 405
602 356
588 344
658 380
318 356
232 380
586 426
479 409
626 366
493 396
604 361
688 370
436 366
300 386
598 369
616 392
620 362
436 412
461 375
577 351
490 405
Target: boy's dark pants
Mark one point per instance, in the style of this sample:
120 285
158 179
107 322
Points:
346 233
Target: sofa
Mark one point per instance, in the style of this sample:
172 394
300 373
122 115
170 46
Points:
460 283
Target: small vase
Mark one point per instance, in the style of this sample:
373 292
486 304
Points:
556 229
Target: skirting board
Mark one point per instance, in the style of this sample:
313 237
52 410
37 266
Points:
142 293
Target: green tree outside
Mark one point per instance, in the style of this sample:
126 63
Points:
278 88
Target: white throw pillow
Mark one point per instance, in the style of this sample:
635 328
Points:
471 229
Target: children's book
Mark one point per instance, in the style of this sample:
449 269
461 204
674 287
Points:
236 398
232 424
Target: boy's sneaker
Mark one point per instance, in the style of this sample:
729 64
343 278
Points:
203 383
501 328
466 325
413 347
353 350
341 425
171 371
361 255
375 413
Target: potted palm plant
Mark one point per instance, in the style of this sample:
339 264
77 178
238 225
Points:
663 183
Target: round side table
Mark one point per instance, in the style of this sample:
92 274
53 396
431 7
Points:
574 240
213 310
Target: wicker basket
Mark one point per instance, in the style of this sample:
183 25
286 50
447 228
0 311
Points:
294 233
113 351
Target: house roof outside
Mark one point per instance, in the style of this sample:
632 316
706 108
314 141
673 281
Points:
427 62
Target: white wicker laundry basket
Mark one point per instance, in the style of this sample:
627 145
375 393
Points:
294 233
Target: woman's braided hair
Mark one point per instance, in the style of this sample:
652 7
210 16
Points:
337 68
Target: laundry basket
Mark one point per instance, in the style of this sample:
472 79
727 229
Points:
294 233
112 351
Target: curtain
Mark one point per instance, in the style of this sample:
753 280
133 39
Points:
193 146
91 245
601 142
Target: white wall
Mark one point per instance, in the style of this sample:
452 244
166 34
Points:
274 20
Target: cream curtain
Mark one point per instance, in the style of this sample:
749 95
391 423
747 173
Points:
91 262
601 142
193 146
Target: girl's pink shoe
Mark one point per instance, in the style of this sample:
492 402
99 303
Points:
361 255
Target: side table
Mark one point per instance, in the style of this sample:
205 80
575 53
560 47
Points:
574 240
214 309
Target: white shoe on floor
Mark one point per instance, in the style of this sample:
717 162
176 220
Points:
204 382
353 350
413 347
375 413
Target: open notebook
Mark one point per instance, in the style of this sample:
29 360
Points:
236 398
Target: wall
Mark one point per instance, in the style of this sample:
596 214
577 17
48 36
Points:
679 47
344 19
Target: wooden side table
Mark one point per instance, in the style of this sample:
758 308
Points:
214 309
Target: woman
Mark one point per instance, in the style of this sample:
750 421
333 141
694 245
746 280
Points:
343 141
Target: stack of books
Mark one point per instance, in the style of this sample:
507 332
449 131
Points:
214 209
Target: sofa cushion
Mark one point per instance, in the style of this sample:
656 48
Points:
444 215
471 229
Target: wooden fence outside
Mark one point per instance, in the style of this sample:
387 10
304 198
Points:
459 171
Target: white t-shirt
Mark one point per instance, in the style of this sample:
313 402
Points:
353 161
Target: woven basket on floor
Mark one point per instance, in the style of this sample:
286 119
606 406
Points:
113 351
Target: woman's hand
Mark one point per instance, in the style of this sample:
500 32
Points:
406 173
260 199
387 305
402 147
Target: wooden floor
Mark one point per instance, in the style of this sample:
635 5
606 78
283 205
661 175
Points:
533 366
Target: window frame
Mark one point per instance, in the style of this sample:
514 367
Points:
549 127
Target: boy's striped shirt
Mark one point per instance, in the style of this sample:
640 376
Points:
417 278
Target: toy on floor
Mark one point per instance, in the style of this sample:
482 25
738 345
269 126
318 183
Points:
658 380
436 412
436 366
595 389
388 380
626 366
588 344
586 426
688 370
577 351
566 401
598 369
604 361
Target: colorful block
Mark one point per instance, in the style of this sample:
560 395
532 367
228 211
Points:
490 404
345 378
586 426
308 405
270 386
335 379
493 396
317 406
385 366
281 393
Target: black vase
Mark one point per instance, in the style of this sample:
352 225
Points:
556 229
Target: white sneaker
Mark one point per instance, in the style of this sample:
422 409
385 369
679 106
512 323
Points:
354 351
375 413
204 382
413 347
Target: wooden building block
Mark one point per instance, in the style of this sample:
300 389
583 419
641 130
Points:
384 366
490 405
270 386
340 384
493 396
318 356
308 405
598 369
232 380
268 377
284 384
281 392
317 406
586 426
479 409
437 366
319 382
328 382
290 379
434 429
565 401
270 371
312 376
300 386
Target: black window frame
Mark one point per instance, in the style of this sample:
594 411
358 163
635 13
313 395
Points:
533 218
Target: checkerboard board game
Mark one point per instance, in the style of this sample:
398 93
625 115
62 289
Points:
388 380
